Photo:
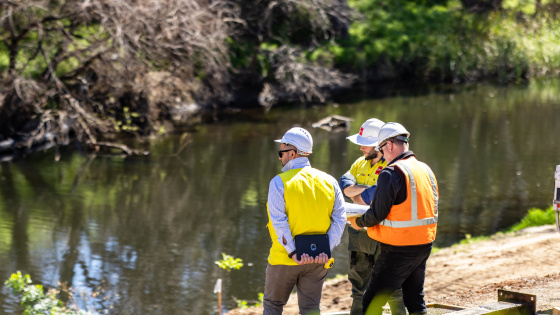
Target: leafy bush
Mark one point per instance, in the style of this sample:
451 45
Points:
419 39
229 262
244 304
35 300
534 217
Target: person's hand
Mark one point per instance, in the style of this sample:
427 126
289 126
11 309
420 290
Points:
353 223
305 259
322 259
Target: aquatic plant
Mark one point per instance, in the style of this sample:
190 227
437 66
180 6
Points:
35 300
229 262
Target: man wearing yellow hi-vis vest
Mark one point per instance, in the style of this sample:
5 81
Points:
301 201
359 184
403 219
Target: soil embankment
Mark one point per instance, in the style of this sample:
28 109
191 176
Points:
470 274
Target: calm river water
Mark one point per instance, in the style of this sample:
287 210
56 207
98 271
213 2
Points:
140 235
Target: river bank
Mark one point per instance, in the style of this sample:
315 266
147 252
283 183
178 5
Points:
470 274
94 80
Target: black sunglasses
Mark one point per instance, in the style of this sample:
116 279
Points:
282 151
380 149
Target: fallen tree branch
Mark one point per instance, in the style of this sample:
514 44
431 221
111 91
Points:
125 149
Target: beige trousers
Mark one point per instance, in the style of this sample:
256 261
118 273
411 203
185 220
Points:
280 281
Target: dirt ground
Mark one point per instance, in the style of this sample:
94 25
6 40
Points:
469 275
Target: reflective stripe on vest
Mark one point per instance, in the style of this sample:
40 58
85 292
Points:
414 221
309 196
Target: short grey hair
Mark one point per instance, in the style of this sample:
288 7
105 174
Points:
397 140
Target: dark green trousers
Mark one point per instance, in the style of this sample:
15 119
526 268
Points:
360 273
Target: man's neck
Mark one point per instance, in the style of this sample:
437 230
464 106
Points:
397 154
373 161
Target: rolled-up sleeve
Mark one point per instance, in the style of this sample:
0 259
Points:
347 180
367 195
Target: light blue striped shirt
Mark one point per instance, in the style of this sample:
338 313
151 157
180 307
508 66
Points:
277 208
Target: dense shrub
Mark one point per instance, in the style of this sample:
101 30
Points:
444 42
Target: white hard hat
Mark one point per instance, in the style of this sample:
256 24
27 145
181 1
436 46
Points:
392 129
368 133
299 138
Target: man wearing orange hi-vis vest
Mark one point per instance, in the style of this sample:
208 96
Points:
403 219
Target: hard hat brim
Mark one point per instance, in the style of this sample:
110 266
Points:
359 140
287 142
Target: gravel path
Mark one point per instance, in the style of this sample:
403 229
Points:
469 275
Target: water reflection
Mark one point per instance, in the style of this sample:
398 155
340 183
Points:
140 236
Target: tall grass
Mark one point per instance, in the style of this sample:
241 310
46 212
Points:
535 217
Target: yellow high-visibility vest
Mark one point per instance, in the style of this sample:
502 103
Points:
309 196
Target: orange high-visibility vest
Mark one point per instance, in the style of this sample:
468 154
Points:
413 222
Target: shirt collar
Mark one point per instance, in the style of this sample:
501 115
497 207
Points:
402 156
299 162
376 163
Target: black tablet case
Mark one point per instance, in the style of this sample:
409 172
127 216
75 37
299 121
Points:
312 245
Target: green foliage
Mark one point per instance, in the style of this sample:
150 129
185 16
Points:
265 67
269 46
441 41
31 62
66 66
34 299
535 217
28 60
525 6
18 282
126 123
244 304
240 53
4 57
161 130
322 55
229 262
260 299
400 30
